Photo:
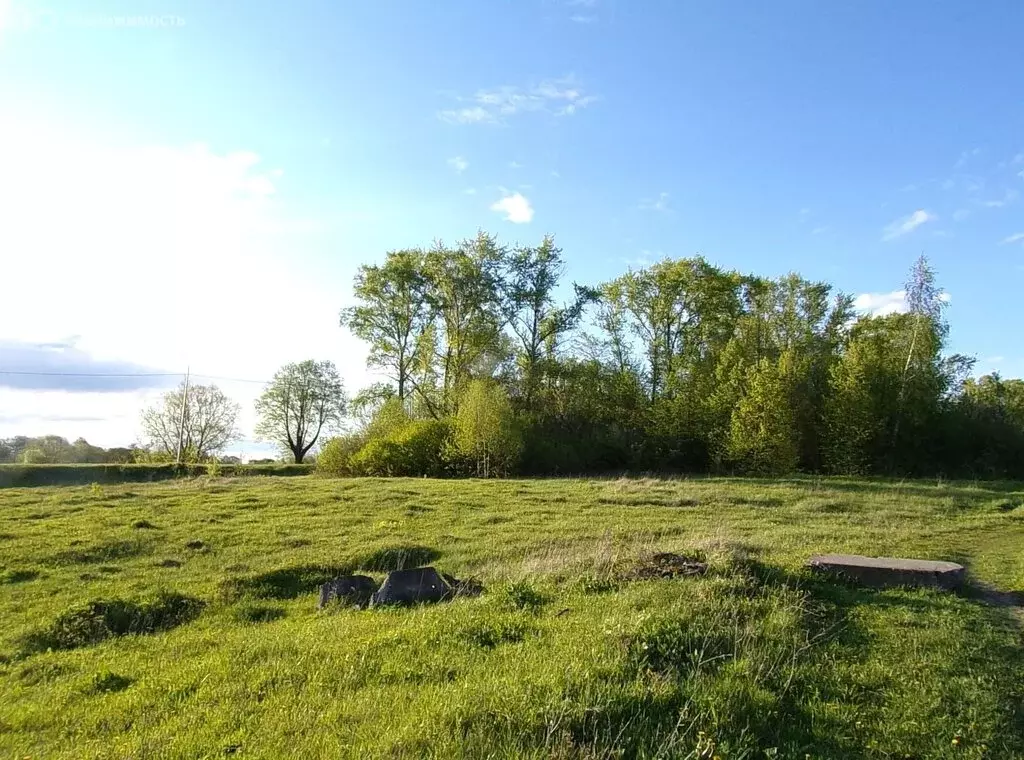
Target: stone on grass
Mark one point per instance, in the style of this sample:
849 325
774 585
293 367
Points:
887 572
349 589
421 584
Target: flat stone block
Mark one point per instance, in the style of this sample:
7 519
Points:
886 572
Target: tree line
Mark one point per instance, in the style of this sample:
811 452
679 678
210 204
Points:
681 365
495 366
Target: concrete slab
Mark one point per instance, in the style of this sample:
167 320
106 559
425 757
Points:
886 572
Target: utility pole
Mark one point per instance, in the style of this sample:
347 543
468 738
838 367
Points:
181 420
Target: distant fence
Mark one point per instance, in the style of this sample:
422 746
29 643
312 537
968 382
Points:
33 475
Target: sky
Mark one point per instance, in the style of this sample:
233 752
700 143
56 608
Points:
190 185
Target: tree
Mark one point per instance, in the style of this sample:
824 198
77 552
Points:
485 429
528 306
762 433
464 300
392 314
302 401
206 425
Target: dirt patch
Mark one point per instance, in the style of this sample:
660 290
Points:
666 565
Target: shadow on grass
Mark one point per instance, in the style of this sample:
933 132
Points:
294 581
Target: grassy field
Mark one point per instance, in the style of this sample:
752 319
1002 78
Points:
566 655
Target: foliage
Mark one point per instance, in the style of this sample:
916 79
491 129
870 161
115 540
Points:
420 448
53 449
198 418
685 366
485 429
301 402
335 456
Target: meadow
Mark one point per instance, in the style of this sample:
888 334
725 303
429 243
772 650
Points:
178 620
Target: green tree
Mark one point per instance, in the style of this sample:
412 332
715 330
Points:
762 432
302 401
528 305
464 300
392 314
486 430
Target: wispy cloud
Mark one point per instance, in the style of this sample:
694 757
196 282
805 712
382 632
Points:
966 156
514 165
581 3
656 204
1008 197
515 207
820 230
470 191
459 164
555 174
960 214
908 188
471 115
1017 237
558 97
907 224
582 18
804 211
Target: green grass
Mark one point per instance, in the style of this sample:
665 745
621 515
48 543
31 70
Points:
178 620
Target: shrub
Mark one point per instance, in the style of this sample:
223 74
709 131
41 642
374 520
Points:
417 449
335 458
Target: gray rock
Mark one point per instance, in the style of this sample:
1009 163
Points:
421 584
350 589
886 572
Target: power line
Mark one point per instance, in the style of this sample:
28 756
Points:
21 373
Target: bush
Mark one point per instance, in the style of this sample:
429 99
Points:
26 476
335 458
419 448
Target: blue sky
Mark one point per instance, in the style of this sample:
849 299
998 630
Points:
173 171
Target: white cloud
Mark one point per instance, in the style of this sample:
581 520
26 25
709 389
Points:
559 97
1008 197
656 204
820 230
555 174
472 115
880 304
1018 159
152 254
580 18
459 164
470 191
904 225
515 207
960 214
804 211
1017 237
514 165
948 184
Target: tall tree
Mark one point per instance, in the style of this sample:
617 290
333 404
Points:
464 299
302 401
393 314
528 305
204 421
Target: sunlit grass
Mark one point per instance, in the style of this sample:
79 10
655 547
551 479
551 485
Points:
563 656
